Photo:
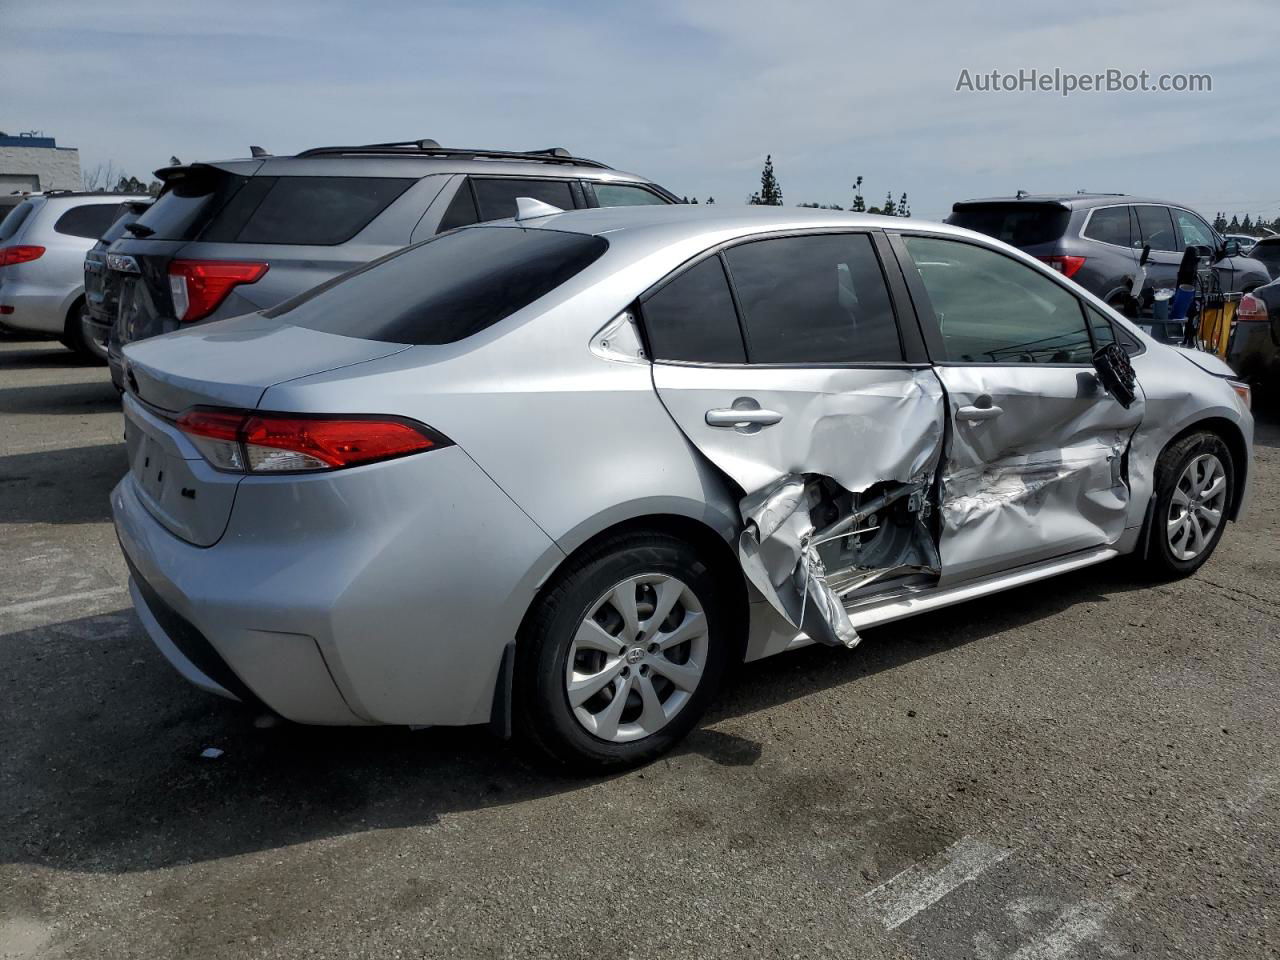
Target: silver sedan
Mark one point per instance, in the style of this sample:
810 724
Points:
555 474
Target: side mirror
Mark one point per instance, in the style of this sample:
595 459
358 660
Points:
1146 255
1230 248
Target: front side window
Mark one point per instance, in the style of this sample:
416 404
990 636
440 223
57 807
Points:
1194 231
993 309
446 289
625 195
692 318
814 299
1109 225
1156 228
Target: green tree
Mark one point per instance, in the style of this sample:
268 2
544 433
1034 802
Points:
711 199
1246 225
770 194
1220 223
1234 225
859 205
904 210
890 209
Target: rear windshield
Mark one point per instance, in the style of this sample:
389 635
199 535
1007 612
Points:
1266 250
1017 224
13 222
89 220
445 289
187 202
126 213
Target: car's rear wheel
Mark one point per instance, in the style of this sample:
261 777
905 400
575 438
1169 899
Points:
81 335
619 659
1195 482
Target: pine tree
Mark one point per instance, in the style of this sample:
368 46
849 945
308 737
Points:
770 194
859 205
903 209
1220 223
1246 225
890 208
711 199
1234 225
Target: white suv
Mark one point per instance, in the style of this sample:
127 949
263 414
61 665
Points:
43 241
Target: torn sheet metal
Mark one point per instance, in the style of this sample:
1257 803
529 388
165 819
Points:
849 443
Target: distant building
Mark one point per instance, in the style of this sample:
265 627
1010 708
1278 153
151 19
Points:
30 163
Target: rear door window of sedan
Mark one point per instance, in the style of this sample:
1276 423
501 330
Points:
992 309
1155 227
89 220
1110 225
692 317
814 299
446 289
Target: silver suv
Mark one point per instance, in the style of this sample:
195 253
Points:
43 241
233 237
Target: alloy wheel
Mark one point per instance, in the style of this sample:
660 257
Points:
1195 510
636 658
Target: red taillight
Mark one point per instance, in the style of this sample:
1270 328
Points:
285 443
1251 308
19 254
1067 266
199 286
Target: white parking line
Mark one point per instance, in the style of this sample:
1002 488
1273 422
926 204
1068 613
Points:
921 885
26 606
1077 923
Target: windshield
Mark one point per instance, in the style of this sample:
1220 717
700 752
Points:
446 289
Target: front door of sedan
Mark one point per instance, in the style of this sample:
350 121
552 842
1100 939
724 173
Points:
1034 465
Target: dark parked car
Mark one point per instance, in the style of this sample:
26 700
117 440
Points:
1267 252
229 238
1096 239
1254 348
101 286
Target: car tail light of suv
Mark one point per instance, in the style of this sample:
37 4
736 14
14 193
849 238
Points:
1067 266
199 286
19 254
1251 308
237 441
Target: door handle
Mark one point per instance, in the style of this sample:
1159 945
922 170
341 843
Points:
745 414
973 414
742 418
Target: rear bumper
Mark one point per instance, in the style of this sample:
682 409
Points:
36 308
382 594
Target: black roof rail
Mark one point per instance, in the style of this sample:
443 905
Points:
430 148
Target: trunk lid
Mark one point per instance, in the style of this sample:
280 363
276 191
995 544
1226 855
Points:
229 363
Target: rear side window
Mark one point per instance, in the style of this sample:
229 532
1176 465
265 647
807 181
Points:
625 195
692 318
190 198
814 299
446 289
90 220
1156 228
1020 224
1110 225
496 199
312 211
12 223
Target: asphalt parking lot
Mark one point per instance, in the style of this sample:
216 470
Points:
1089 767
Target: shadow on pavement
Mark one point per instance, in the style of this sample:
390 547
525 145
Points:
101 768
60 485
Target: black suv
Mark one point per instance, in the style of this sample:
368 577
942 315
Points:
237 236
1097 238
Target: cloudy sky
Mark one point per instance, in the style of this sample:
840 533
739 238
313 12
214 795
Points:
692 94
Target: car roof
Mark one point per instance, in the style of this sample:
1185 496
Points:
661 225
1072 201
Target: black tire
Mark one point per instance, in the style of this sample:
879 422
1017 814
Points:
76 338
1161 562
543 718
